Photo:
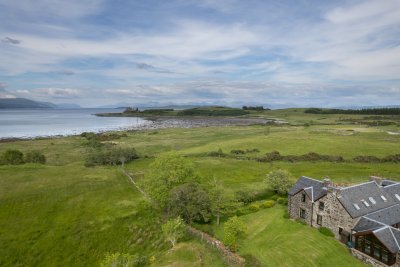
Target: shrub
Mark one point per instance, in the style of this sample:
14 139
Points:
125 260
326 231
35 157
111 156
268 204
238 152
244 196
12 157
251 261
254 150
218 153
366 159
254 207
282 201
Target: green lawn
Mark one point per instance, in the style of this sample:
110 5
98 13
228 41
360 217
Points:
276 241
64 214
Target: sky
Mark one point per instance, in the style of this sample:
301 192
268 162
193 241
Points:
321 53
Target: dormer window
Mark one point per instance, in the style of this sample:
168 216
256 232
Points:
303 197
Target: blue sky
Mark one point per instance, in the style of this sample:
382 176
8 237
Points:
291 52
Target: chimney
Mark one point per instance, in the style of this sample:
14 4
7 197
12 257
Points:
327 182
376 179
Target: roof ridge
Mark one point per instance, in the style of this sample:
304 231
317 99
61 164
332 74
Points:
306 177
384 224
351 186
395 239
371 213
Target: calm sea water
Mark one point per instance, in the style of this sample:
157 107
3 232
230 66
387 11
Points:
24 123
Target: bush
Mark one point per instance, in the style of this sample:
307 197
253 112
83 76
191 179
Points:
268 204
111 156
254 207
244 196
35 157
125 260
367 159
238 152
218 153
282 201
254 150
251 261
12 157
326 231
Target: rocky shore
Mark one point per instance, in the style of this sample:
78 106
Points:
185 122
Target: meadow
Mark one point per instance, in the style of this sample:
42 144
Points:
65 214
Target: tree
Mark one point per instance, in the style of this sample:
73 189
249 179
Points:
166 172
279 181
13 157
234 228
191 202
220 202
173 230
35 157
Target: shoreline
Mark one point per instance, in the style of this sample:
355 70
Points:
165 122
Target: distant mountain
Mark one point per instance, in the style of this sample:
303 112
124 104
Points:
67 105
23 103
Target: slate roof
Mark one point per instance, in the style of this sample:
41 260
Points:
313 188
388 182
388 216
390 237
392 190
361 194
366 224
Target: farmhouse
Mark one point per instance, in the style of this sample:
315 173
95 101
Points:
365 217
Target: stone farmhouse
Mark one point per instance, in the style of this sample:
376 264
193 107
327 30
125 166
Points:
365 217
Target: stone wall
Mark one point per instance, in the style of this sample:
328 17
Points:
334 214
295 204
369 260
232 259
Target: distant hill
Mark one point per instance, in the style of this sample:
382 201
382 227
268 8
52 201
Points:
23 103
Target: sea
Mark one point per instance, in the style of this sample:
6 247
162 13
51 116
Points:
30 123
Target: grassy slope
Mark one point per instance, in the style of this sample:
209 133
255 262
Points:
276 241
67 215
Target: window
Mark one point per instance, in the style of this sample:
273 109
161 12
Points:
319 219
302 214
303 197
397 196
365 203
384 198
321 206
340 230
356 206
372 200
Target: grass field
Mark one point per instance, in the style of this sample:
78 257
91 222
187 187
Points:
64 214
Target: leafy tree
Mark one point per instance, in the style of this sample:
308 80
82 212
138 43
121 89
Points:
35 157
191 202
13 157
123 260
166 172
111 156
234 228
221 204
279 181
173 230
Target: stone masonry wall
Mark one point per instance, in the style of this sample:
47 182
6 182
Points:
295 204
334 215
369 260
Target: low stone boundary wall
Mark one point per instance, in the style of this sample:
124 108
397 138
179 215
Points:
367 259
232 259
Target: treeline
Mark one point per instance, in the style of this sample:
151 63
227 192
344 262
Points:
16 157
367 111
160 111
254 108
212 112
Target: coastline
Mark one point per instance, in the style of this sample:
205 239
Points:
164 122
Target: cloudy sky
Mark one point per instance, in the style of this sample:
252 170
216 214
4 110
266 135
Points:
290 52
